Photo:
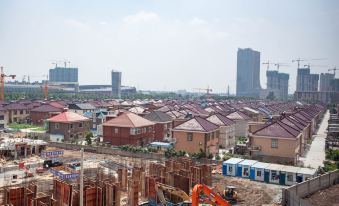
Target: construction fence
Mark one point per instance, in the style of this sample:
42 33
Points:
293 196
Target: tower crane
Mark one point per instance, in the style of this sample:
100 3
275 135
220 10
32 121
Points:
280 64
207 90
313 65
268 64
45 87
301 60
65 61
333 69
2 83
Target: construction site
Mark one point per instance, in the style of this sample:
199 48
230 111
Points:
117 180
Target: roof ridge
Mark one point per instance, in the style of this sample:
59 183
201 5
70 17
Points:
279 122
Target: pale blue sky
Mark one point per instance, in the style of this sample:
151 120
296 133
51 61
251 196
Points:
165 44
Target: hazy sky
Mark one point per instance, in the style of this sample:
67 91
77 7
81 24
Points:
165 44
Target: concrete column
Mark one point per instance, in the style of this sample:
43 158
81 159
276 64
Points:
25 151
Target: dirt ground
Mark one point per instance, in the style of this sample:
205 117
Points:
329 196
251 192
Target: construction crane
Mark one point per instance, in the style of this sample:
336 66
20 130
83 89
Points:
333 69
313 65
46 87
301 60
2 83
280 64
268 64
207 90
61 61
210 196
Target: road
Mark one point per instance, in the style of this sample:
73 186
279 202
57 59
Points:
316 155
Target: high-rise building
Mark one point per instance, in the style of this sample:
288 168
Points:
306 81
248 73
116 84
63 74
278 83
325 82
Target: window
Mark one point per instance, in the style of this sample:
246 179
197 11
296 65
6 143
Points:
258 173
290 177
274 143
245 172
80 124
56 125
274 175
189 137
138 130
116 130
2 117
230 169
149 129
15 112
132 131
71 126
21 111
207 136
144 130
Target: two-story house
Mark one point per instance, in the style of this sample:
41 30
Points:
196 134
128 129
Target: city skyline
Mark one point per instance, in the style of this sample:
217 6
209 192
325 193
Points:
163 42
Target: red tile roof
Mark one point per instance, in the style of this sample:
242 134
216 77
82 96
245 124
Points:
67 117
276 130
130 120
15 106
220 120
197 124
46 108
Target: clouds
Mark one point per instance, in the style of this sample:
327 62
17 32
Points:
180 44
142 17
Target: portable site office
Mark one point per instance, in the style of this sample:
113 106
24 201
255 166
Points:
259 172
275 175
290 174
304 174
230 166
244 168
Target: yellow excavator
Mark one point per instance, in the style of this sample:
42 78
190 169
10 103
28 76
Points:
161 188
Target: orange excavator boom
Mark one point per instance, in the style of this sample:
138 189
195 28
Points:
210 196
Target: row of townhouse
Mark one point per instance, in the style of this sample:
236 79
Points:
284 140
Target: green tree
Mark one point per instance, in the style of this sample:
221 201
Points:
88 138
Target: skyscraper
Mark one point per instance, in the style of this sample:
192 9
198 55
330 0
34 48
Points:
116 84
248 73
325 82
278 83
307 82
63 74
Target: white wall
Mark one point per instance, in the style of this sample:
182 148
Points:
259 178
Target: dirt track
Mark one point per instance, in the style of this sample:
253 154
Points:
327 197
251 192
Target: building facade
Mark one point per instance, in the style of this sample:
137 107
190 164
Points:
325 82
128 129
68 126
248 73
278 83
63 74
306 81
116 84
195 135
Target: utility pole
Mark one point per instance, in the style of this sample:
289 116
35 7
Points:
82 178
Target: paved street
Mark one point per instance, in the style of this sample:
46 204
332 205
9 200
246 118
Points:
316 155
